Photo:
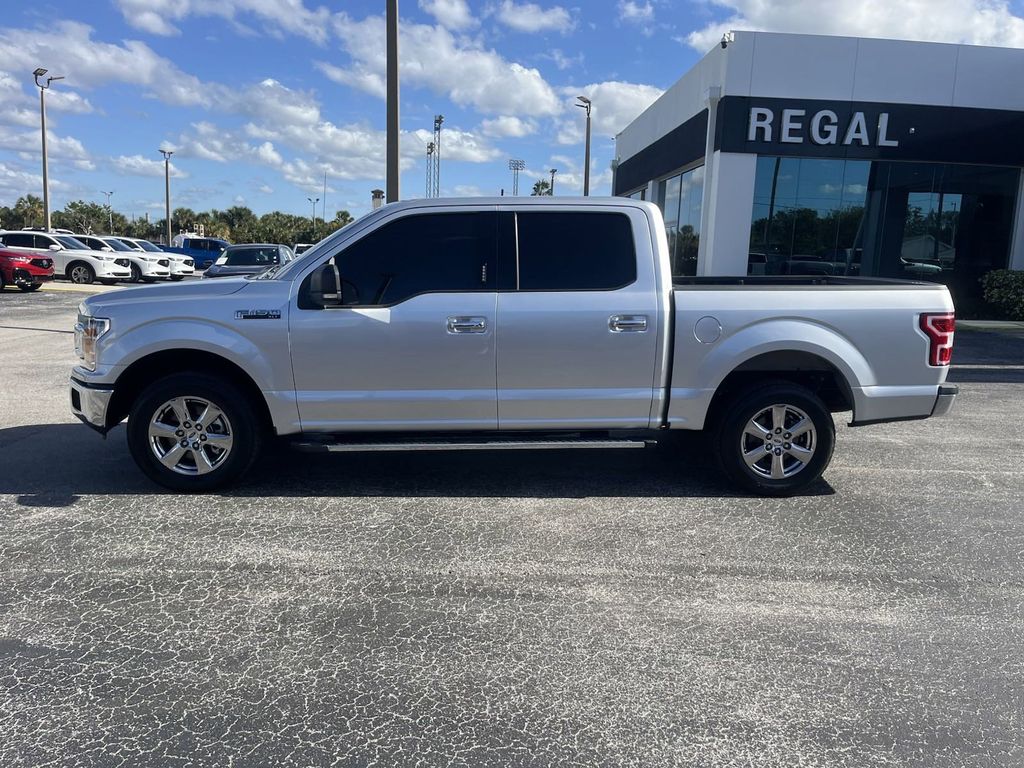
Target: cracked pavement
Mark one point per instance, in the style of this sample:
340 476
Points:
513 609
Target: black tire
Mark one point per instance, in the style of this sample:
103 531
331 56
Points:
30 287
3 283
136 273
241 423
80 273
176 278
735 444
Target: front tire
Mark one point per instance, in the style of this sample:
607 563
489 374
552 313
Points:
81 273
28 288
774 439
193 432
176 278
136 273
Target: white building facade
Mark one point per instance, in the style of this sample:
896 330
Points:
802 154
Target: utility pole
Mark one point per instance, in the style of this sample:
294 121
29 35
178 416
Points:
167 189
551 189
438 121
313 217
110 212
430 170
39 72
393 178
585 103
516 166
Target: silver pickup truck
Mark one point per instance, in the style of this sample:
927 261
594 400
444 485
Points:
506 324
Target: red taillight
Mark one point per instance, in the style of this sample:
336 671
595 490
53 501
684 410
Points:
939 330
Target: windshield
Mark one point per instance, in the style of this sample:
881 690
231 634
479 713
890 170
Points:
71 243
148 246
250 257
116 244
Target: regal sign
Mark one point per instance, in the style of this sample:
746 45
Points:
822 128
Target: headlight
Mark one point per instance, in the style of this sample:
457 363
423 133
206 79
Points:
88 331
21 259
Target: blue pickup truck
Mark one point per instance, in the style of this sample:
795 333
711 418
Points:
203 250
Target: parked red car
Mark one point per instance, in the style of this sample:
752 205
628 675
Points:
28 271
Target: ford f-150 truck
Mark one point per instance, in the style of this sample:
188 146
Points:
500 324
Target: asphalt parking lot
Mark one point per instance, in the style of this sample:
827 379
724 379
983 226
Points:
521 609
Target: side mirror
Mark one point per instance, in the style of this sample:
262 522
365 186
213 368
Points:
325 287
54 247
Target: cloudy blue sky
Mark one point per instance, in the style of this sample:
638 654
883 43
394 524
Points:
260 97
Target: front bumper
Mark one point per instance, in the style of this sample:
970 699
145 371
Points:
90 403
31 277
116 273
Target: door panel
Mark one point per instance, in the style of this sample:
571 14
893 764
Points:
393 368
578 342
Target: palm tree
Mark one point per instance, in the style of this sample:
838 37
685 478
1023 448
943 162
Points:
30 209
542 187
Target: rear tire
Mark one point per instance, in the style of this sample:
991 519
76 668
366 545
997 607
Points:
774 439
80 273
177 450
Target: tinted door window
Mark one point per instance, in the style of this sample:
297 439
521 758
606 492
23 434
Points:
575 251
449 252
16 240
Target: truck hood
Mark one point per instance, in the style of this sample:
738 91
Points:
193 289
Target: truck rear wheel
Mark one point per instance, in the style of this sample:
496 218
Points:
774 439
193 432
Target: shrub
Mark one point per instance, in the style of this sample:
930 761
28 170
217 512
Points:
1004 292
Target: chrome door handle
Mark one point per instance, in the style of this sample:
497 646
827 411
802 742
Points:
467 325
627 323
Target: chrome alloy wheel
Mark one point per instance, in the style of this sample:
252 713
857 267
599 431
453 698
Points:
778 442
190 435
80 274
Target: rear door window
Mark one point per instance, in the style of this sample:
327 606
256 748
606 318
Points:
19 240
575 251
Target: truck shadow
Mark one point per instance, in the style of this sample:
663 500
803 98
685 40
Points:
53 465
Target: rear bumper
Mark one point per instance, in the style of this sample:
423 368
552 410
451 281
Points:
877 405
944 400
90 403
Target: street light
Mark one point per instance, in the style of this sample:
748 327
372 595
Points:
38 73
313 203
551 189
585 103
110 212
391 155
167 189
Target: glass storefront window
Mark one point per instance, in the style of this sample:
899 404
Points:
807 216
681 198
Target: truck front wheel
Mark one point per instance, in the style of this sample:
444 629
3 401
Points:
774 439
193 432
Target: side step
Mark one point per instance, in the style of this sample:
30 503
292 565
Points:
464 445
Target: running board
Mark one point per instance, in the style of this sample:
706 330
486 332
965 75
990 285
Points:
467 445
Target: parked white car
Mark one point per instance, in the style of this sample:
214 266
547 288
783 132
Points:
72 258
182 266
144 267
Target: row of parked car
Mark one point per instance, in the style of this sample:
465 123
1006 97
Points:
29 258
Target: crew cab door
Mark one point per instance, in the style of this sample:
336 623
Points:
578 340
411 345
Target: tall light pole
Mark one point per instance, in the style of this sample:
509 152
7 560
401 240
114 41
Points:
167 189
38 73
551 189
110 212
313 219
393 178
516 166
584 103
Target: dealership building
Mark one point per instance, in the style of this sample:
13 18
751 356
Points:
803 154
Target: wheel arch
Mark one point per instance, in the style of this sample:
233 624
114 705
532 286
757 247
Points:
156 365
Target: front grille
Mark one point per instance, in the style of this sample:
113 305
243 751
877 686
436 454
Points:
41 263
163 262
121 262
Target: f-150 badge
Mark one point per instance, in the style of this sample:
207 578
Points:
258 314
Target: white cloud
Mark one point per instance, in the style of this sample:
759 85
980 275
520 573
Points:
460 146
615 105
137 165
530 17
158 17
265 189
432 57
453 14
982 22
508 126
640 14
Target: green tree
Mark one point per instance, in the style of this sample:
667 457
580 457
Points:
28 212
542 187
